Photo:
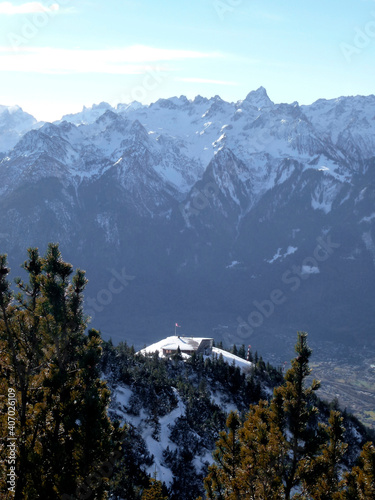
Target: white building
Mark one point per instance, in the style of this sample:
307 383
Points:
186 345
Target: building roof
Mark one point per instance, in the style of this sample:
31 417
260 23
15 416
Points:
192 343
173 343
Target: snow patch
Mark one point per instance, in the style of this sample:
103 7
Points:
231 358
310 270
324 195
290 251
275 257
368 218
369 243
233 264
278 255
157 448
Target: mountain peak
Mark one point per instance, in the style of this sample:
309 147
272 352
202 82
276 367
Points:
258 98
102 105
108 115
200 100
133 106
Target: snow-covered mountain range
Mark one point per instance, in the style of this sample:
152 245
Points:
252 218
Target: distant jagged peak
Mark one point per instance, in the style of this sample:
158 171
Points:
258 98
106 117
342 103
217 98
15 116
50 129
32 142
133 106
87 115
66 126
138 132
101 105
10 109
137 126
180 101
16 110
200 100
224 155
113 121
171 103
292 110
217 106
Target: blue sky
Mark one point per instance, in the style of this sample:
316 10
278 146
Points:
58 55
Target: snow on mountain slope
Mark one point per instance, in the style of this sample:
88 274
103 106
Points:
14 122
175 426
87 115
349 122
248 147
14 118
119 408
232 359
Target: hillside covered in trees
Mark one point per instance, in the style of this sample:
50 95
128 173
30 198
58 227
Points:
82 418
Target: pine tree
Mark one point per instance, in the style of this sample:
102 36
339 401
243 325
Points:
154 491
222 480
321 474
263 447
242 352
64 435
186 484
360 483
262 458
295 414
129 478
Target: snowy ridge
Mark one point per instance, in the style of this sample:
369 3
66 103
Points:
232 359
175 140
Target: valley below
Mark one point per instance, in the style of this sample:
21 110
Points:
351 382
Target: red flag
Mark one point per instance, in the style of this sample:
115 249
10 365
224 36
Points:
178 325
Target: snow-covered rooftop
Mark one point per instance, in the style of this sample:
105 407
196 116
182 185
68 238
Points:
173 343
192 343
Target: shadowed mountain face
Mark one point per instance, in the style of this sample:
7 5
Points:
245 221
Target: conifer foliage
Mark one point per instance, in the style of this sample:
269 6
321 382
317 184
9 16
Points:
361 481
154 491
65 439
282 451
223 479
295 414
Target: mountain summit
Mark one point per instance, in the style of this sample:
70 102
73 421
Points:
259 98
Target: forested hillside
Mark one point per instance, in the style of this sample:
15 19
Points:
82 418
178 409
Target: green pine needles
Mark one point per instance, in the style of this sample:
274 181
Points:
64 437
282 451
